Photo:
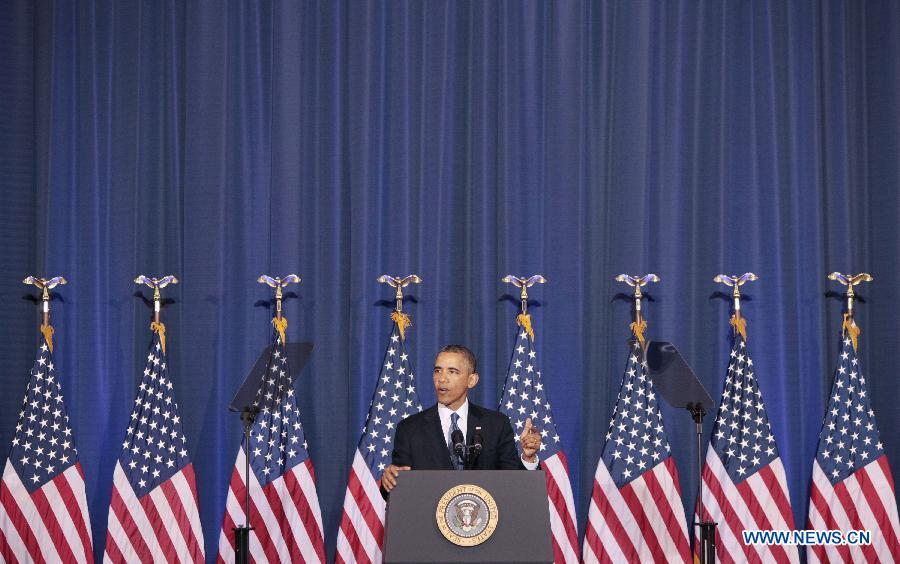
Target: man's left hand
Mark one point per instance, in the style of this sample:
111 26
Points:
530 439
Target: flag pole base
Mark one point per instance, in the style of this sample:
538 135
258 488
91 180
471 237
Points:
242 545
707 542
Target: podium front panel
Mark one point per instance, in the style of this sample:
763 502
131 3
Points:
522 531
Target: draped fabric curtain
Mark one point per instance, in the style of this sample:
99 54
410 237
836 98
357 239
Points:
461 141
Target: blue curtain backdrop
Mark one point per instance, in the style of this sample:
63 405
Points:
461 141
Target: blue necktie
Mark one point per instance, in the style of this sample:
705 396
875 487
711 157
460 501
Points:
454 426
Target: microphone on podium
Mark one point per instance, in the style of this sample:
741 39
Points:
474 449
459 444
477 441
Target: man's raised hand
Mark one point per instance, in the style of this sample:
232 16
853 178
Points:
530 439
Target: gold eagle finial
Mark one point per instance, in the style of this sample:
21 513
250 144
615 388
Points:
735 282
523 283
397 316
279 321
637 281
45 285
157 283
849 326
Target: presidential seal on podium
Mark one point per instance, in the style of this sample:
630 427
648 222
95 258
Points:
467 515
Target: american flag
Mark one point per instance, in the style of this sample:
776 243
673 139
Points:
153 510
744 483
852 487
636 513
524 396
284 506
43 506
361 535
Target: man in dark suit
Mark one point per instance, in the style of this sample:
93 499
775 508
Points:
423 441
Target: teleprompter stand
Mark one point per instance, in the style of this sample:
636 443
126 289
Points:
242 534
679 386
246 404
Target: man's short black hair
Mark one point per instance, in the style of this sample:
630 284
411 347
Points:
463 350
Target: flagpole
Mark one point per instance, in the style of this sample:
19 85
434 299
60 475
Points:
707 527
248 416
639 325
524 318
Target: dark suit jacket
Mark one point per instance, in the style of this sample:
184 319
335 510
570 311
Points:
420 443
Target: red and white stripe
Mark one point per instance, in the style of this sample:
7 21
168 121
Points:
285 516
641 522
361 535
865 500
51 524
163 525
761 502
563 523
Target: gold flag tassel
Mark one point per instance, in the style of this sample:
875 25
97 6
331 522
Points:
402 320
740 325
160 329
638 328
850 327
280 324
47 330
524 320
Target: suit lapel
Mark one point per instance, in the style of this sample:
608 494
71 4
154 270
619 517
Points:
472 421
475 420
439 442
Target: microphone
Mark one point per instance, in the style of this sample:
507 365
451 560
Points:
459 444
474 449
477 440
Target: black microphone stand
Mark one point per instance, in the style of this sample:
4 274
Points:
242 534
473 450
707 528
467 453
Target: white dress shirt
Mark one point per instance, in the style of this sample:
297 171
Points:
444 413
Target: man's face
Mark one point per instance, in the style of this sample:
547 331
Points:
453 377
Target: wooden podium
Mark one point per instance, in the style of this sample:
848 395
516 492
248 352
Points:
468 516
